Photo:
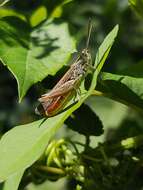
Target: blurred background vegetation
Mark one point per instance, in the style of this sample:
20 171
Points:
119 121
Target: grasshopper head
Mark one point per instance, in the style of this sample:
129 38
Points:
86 56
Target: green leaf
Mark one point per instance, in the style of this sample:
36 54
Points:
105 46
12 183
57 11
23 145
125 87
32 54
4 12
101 56
38 16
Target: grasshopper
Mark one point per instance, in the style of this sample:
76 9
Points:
54 101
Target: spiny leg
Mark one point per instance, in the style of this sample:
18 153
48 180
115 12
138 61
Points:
77 94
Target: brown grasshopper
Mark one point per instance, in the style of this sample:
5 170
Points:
54 101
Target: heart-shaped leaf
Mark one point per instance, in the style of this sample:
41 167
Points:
31 54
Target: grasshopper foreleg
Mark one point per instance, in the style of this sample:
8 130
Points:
77 94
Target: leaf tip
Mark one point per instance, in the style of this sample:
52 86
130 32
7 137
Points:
20 96
116 28
19 100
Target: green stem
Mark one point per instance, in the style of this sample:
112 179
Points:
91 158
53 170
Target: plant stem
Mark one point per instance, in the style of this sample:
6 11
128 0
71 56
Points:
51 169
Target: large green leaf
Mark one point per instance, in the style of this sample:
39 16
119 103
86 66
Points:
32 54
23 145
125 87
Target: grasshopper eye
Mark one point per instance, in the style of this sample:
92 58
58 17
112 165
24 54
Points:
85 54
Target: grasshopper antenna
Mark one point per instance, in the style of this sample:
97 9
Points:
89 32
